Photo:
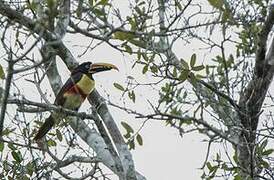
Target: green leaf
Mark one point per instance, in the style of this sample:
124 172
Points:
192 79
128 49
130 77
265 164
184 64
132 96
267 152
99 12
123 35
103 2
235 158
193 60
30 168
90 3
139 139
59 135
127 135
12 147
119 86
25 177
139 54
263 145
216 3
174 73
178 5
145 69
17 156
127 127
209 166
154 69
2 74
32 5
132 23
51 3
198 68
79 11
184 75
144 55
131 144
1 146
51 143
237 177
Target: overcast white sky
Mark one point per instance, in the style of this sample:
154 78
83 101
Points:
165 155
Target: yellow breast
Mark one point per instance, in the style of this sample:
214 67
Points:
86 84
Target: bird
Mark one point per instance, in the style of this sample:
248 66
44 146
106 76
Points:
74 92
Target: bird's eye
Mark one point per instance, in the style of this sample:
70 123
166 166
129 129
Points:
87 66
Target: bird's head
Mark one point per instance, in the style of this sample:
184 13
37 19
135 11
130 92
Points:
92 68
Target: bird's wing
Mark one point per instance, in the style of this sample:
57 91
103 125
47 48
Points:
70 83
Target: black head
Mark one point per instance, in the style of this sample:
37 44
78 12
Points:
83 68
89 68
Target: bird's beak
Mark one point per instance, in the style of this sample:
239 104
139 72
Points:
98 67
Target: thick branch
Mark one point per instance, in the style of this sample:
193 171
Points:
5 96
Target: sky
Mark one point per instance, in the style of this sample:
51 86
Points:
165 155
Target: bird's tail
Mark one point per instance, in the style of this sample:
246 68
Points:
48 124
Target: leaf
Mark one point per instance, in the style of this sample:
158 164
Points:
128 49
12 147
154 69
30 168
51 143
192 79
265 164
130 77
174 73
139 54
118 86
209 166
25 177
103 2
193 60
17 156
267 152
216 3
145 69
237 177
127 127
139 139
127 135
263 145
145 57
1 146
59 135
198 68
2 74
184 64
178 5
123 35
99 12
184 75
235 158
90 3
131 144
32 5
51 3
132 23
79 10
132 96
